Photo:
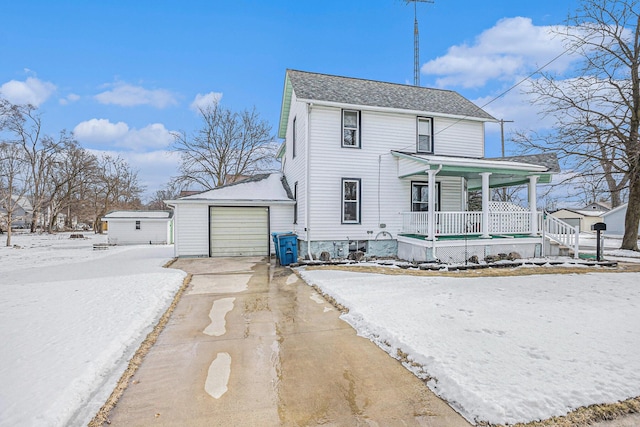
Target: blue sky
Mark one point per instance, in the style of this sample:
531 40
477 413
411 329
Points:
123 74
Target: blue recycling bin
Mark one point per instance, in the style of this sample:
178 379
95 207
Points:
286 246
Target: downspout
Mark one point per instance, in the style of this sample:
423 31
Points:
307 185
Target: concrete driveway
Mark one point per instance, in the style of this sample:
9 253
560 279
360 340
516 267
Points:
250 344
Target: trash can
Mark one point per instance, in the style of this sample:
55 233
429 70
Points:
286 246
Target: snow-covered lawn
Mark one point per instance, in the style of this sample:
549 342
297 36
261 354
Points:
70 319
503 349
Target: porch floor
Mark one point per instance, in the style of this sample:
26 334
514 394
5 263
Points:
468 236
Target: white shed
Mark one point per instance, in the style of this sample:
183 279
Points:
235 219
139 227
615 220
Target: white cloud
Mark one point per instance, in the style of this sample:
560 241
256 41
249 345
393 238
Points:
100 131
512 48
31 91
152 136
72 97
203 101
128 95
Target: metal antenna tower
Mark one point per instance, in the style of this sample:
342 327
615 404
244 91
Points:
416 40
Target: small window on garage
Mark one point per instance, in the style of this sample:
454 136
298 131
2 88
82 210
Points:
137 225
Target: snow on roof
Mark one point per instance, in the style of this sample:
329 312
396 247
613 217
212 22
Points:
270 187
138 214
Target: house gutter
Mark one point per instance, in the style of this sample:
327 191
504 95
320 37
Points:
487 118
307 184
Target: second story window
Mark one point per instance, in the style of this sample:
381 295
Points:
137 225
425 135
351 128
293 138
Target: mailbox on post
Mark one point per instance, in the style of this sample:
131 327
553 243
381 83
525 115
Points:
599 227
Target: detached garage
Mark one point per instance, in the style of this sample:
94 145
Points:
139 227
233 220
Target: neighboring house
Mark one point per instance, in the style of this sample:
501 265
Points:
22 213
615 220
376 167
139 227
581 218
233 220
598 206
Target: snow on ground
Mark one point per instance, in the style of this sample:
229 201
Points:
504 349
70 319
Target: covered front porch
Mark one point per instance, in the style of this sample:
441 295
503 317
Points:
498 227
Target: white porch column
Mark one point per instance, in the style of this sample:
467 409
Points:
485 204
533 204
431 213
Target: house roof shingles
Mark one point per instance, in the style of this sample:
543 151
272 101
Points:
347 90
548 160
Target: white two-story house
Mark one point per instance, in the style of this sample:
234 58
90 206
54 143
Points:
375 167
386 168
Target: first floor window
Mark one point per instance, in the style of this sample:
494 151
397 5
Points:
137 225
351 128
420 197
350 201
425 142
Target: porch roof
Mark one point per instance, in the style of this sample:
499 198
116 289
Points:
504 172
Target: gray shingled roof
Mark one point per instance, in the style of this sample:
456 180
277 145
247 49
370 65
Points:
549 160
347 90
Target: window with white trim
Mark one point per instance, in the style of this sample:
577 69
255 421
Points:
425 135
350 201
420 197
137 225
351 128
294 136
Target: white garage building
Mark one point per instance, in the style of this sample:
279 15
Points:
233 220
139 227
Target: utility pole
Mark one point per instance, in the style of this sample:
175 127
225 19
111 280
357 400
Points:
416 40
502 122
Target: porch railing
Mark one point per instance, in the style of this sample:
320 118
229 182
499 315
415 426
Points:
561 232
460 223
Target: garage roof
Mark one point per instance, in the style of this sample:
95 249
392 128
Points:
265 187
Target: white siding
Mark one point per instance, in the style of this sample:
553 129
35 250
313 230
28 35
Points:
615 220
281 218
191 230
295 168
191 227
458 138
372 164
123 232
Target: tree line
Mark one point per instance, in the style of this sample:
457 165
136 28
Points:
56 175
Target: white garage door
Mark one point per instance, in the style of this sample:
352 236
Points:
239 231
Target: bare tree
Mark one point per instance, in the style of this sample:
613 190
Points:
12 184
115 186
228 145
170 191
73 169
24 123
597 113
